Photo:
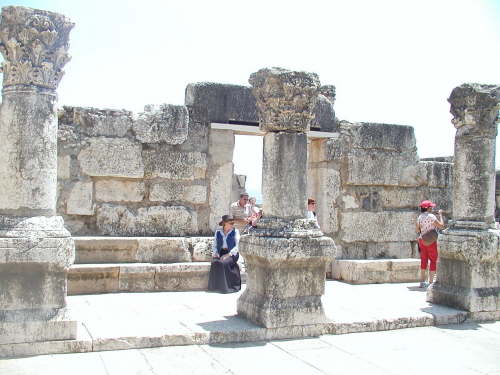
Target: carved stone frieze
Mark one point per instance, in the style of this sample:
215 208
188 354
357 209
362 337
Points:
34 44
285 99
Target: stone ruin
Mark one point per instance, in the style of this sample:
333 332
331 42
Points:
152 186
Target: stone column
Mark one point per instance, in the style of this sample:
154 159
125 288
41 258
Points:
287 254
468 275
35 248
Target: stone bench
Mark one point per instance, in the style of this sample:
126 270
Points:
361 271
137 277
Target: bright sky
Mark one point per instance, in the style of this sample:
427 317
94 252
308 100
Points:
392 61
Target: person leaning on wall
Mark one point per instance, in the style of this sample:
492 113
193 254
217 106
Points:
427 226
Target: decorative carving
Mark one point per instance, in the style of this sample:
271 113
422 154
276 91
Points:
475 109
285 99
34 44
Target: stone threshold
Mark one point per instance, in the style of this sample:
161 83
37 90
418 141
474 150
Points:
376 271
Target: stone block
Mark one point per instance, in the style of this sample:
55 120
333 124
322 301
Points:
163 250
387 137
28 329
374 167
324 115
284 168
389 250
145 221
219 197
137 278
376 271
388 226
401 197
106 250
221 146
88 279
201 248
63 167
97 122
178 191
439 175
112 157
118 190
222 102
182 276
80 199
164 124
165 163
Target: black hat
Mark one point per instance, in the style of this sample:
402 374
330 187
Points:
225 219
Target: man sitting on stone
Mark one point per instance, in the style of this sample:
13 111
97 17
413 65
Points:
240 211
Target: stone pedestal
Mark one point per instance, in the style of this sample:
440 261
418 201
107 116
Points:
36 250
468 274
285 278
286 255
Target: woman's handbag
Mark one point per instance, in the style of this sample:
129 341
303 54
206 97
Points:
430 237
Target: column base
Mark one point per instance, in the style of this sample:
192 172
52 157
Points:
468 274
35 255
285 280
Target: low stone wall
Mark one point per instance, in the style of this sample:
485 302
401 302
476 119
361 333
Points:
368 183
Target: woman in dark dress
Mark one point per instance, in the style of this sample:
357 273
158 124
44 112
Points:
224 271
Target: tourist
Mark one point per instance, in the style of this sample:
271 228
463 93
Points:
224 271
311 209
240 211
427 225
255 212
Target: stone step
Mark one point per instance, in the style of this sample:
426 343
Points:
97 250
139 277
362 271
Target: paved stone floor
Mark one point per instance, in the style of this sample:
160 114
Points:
468 348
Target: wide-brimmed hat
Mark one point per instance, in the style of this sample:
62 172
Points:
427 204
225 219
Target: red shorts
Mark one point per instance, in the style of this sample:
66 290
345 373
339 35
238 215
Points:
428 253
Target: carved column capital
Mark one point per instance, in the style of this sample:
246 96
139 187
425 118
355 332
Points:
34 44
475 109
285 99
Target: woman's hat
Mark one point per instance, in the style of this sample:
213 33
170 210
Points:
225 219
427 204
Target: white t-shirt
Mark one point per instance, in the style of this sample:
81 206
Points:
426 221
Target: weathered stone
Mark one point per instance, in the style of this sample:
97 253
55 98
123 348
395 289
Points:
163 250
284 169
220 193
80 200
97 122
64 167
112 157
145 221
285 99
468 270
401 197
162 162
439 174
166 124
376 226
182 276
374 167
386 137
201 248
222 103
118 190
376 271
106 250
285 280
137 278
178 191
85 279
221 145
324 115
35 248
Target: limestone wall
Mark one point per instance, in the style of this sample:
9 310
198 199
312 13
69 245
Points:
368 183
126 175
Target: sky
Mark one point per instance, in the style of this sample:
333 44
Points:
392 61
